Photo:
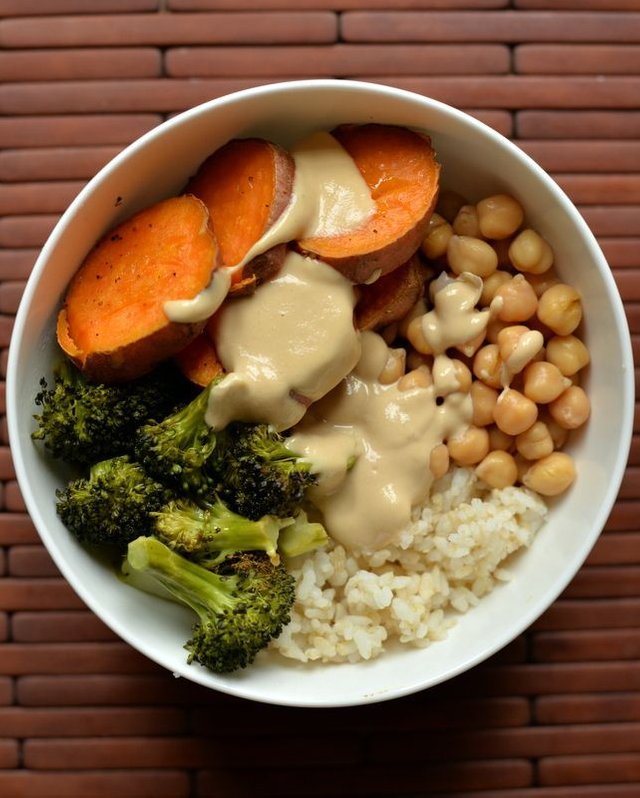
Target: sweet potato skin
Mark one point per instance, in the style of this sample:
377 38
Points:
112 323
385 241
391 297
251 180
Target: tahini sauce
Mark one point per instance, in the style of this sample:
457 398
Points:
284 346
391 434
329 197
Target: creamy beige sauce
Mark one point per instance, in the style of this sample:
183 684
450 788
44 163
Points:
527 347
285 345
204 304
391 434
329 197
455 319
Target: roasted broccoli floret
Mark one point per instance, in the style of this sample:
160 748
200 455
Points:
240 607
203 529
113 505
177 450
83 422
261 476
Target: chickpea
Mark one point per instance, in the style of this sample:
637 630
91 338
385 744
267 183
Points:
540 282
419 309
439 461
514 413
535 442
449 203
522 464
394 367
552 475
466 222
469 254
571 409
530 253
558 434
462 374
415 336
518 345
568 353
493 330
560 308
484 400
491 284
469 446
501 247
499 440
487 365
498 470
418 378
439 232
415 360
499 216
519 300
543 382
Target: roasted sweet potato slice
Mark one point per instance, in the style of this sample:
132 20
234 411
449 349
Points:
246 185
391 297
401 170
112 323
198 361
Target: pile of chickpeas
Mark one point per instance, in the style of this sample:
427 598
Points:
523 407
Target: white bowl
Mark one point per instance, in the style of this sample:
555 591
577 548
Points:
477 162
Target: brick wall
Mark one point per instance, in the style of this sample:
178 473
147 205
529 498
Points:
557 713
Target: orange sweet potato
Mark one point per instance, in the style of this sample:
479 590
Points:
391 297
112 323
246 185
401 170
198 361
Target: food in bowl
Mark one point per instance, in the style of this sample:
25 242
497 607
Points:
387 468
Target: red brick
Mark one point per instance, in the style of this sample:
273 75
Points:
608 189
17 528
621 252
334 5
371 779
13 500
67 163
31 561
90 722
162 30
26 231
578 124
631 483
594 614
608 708
20 8
602 581
6 464
487 26
126 783
101 690
69 131
17 264
596 768
4 620
502 121
58 627
580 5
577 59
37 594
585 156
6 691
31 198
510 91
616 549
19 658
633 317
614 220
10 296
337 60
507 743
634 452
586 645
80 64
306 750
586 791
9 754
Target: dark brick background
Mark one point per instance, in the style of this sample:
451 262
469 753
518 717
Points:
557 713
